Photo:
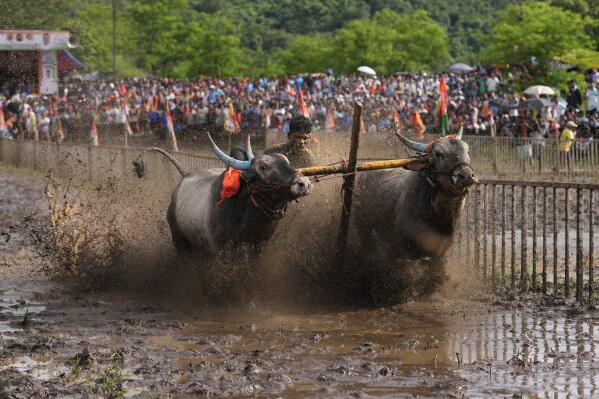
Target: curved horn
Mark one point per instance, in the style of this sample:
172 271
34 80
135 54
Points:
249 149
420 147
458 136
229 161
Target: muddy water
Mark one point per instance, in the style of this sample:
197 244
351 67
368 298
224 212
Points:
441 348
61 338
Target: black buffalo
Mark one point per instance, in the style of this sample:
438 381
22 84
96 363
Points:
414 211
248 218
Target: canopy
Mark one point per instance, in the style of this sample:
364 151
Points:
367 70
534 103
539 91
460 68
67 62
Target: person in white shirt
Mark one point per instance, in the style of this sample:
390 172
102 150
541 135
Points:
592 95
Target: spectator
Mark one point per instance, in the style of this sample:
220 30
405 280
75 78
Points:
565 145
574 98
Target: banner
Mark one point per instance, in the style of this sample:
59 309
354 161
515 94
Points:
48 72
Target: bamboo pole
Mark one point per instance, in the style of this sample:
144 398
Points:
349 182
328 170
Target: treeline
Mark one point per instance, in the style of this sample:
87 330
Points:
186 38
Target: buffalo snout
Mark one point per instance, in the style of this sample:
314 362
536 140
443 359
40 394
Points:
464 177
301 186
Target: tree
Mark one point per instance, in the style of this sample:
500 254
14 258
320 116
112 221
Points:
536 30
390 42
308 54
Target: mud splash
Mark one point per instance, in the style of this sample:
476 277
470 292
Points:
141 326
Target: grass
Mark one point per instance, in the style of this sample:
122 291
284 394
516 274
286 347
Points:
5 167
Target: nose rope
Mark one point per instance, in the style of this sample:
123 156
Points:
274 210
451 170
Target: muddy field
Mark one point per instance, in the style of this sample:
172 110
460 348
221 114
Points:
94 305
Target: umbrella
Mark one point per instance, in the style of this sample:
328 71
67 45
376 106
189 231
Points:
534 103
539 91
367 70
460 68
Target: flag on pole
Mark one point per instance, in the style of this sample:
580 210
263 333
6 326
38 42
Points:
126 116
417 125
302 104
443 103
94 133
2 121
171 129
231 121
304 112
330 121
398 123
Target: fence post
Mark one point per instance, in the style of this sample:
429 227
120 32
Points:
523 243
591 247
579 274
567 246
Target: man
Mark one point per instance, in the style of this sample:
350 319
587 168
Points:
296 149
592 95
566 139
574 97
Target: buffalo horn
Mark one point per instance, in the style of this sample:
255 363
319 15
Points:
249 149
229 161
419 147
459 135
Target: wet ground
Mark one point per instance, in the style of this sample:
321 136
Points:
62 336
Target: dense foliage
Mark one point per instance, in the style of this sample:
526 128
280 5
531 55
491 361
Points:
185 38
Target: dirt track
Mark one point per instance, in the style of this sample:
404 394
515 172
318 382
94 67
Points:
144 328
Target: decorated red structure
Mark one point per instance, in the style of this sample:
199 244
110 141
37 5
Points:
36 56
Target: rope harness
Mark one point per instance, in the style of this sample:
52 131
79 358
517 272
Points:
274 210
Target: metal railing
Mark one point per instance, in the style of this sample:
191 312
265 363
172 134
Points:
499 157
537 236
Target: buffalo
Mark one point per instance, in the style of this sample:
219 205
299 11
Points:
204 221
414 211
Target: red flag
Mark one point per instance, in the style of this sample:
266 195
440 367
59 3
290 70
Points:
397 121
443 103
2 121
303 108
94 134
417 125
330 121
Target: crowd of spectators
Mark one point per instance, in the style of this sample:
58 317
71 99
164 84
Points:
483 102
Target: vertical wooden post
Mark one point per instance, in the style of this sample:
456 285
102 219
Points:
349 180
579 270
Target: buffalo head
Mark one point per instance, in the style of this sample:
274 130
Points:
269 178
445 163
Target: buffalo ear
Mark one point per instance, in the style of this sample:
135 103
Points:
417 164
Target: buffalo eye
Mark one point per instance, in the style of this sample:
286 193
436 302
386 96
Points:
439 155
264 168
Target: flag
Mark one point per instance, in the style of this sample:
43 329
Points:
443 103
397 121
231 121
94 134
302 104
330 121
417 125
171 129
2 121
126 116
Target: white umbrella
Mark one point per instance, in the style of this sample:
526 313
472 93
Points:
539 91
460 68
367 70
